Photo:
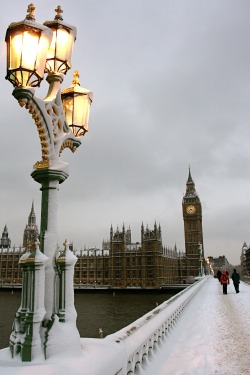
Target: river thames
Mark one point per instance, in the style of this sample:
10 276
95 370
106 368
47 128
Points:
108 310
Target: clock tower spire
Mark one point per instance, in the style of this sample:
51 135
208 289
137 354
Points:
192 216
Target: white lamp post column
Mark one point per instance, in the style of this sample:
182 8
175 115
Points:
49 180
65 312
25 337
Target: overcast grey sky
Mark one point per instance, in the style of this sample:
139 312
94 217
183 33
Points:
171 84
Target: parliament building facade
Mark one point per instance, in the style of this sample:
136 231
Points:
122 263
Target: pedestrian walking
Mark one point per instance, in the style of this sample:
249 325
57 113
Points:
224 281
236 280
219 275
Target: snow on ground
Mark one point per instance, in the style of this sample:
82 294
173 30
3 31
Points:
212 337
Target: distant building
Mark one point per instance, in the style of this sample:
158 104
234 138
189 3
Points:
9 257
219 263
244 260
30 233
122 263
192 216
10 272
5 241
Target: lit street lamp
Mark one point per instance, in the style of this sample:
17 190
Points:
61 119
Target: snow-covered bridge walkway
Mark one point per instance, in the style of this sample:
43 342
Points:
211 338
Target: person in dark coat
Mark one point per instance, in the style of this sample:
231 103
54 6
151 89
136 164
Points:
236 280
224 279
218 275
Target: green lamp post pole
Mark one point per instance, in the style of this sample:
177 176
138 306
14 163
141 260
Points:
61 119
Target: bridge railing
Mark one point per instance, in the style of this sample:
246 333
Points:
126 349
141 336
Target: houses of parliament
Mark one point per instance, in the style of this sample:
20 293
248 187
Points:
122 263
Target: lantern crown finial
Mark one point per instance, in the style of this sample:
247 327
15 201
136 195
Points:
59 12
76 80
31 12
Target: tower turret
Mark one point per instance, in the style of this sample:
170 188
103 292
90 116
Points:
31 232
192 216
5 241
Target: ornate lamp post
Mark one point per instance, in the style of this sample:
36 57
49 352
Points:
33 49
201 270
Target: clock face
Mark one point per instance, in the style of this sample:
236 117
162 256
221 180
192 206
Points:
190 209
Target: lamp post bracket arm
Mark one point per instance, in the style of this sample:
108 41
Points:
71 142
42 118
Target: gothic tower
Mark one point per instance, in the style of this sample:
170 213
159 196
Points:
117 256
192 216
5 240
151 245
30 233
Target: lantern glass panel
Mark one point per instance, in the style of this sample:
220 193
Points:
59 54
15 51
51 54
63 44
42 54
68 109
81 111
29 50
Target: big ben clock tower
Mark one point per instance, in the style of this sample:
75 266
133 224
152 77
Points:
192 216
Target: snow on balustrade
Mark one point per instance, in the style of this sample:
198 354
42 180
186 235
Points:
119 353
140 336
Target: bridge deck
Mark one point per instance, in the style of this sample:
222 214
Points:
212 337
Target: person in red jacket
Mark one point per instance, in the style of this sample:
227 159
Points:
224 281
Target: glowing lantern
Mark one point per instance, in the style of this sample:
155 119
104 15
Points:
76 104
27 46
59 54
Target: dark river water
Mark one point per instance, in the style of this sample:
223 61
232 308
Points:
95 310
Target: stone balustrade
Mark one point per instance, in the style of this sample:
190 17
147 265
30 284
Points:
124 351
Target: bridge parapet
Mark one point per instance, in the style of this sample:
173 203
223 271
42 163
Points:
122 352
